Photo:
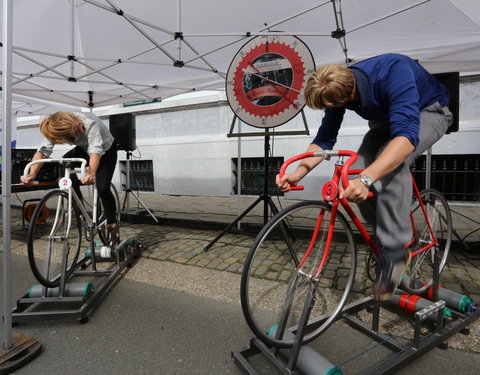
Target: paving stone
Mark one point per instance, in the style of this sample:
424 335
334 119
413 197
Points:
234 267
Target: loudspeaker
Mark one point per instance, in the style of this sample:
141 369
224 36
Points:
452 81
122 127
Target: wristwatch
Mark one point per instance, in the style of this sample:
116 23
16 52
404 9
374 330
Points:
367 181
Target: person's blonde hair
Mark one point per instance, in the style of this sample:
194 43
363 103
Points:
58 126
330 85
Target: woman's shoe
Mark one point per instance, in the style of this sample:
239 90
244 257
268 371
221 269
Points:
113 234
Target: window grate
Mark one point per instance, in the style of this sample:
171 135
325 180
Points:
253 175
456 176
141 175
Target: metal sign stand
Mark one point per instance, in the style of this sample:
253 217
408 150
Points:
265 197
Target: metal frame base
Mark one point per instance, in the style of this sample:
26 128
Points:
79 308
402 354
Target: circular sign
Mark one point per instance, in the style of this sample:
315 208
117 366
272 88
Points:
265 80
64 183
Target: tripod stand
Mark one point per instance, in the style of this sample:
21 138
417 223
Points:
265 197
128 190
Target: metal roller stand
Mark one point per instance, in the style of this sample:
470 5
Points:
41 303
308 361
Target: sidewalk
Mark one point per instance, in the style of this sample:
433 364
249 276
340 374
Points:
221 211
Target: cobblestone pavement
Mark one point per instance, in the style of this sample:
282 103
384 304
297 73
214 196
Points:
188 224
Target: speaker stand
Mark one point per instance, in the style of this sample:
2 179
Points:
128 191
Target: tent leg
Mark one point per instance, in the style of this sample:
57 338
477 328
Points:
23 351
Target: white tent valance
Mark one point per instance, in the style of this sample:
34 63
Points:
101 52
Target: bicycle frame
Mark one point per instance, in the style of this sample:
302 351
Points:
330 194
65 184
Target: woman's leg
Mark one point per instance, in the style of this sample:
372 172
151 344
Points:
103 178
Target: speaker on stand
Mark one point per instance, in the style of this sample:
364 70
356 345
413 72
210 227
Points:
122 127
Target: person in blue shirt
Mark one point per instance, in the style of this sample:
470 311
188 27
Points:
407 112
94 142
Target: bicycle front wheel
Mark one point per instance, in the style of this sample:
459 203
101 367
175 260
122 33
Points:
432 237
54 238
274 287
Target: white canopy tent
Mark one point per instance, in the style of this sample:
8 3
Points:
101 52
91 53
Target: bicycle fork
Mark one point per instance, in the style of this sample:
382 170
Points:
312 280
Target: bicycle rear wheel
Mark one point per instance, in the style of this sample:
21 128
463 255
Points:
102 217
419 275
53 236
273 291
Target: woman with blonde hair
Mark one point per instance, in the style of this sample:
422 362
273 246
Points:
93 142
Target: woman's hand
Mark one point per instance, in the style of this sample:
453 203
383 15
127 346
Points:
27 180
89 179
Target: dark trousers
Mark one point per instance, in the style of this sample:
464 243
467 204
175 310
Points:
103 178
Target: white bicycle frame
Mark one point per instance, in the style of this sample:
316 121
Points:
65 184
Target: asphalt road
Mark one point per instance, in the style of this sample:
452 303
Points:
147 329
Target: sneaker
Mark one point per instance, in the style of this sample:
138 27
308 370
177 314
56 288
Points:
389 274
113 234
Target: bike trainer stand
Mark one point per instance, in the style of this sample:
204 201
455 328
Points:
77 300
308 361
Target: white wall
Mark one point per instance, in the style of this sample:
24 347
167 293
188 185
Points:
187 141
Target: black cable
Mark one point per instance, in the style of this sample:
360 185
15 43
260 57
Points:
468 218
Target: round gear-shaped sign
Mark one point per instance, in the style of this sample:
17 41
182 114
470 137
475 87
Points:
266 78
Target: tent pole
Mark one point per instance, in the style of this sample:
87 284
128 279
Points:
18 350
72 38
6 171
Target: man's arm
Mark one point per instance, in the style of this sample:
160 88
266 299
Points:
305 166
391 157
92 169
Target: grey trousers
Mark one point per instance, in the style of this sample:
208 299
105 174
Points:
388 211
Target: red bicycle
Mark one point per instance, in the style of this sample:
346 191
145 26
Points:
306 254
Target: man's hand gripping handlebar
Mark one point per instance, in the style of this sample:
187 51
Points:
326 155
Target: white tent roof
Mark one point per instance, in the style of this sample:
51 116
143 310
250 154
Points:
102 52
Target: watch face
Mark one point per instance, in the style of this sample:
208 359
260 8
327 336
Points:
266 78
367 181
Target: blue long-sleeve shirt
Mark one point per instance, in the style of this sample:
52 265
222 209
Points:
393 88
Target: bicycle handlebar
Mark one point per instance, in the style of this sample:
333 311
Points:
60 161
326 154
